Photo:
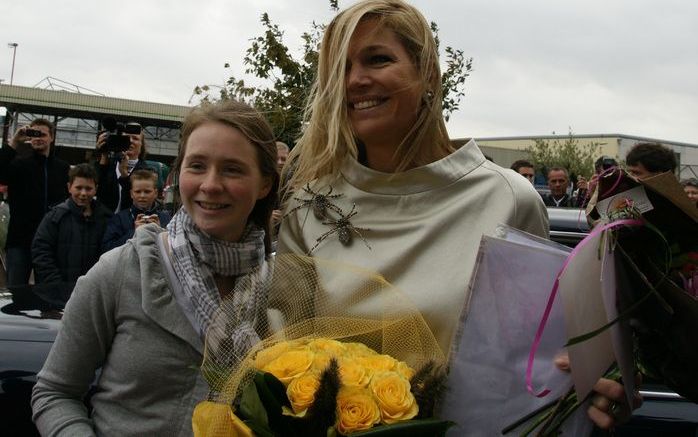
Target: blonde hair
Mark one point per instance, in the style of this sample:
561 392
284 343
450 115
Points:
328 137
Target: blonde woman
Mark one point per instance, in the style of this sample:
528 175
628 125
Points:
377 183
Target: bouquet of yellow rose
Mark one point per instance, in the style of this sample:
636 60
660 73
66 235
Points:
338 357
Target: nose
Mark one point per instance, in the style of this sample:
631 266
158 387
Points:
357 77
211 182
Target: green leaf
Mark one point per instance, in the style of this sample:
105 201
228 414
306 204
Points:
411 428
251 407
277 388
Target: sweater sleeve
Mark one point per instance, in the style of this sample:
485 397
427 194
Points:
44 251
89 324
531 214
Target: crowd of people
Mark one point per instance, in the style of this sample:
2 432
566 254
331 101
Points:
404 202
642 161
62 217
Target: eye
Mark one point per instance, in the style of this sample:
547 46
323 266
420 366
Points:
233 169
195 166
379 59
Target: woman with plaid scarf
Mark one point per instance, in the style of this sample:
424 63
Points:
141 314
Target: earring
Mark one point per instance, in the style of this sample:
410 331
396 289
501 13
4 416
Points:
429 95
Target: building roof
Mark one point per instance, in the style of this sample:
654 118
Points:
584 136
69 104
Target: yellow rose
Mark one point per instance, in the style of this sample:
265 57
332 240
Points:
352 373
359 350
332 347
377 363
404 370
321 361
290 364
356 410
301 392
395 400
265 356
211 418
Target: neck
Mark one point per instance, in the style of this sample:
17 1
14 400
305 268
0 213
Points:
382 158
225 284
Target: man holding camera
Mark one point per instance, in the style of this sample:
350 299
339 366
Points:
121 149
36 180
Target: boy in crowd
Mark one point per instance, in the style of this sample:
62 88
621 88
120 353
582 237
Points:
145 209
68 241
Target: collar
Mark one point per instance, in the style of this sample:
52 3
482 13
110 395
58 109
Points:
416 180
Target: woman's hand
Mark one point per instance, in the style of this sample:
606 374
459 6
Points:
609 406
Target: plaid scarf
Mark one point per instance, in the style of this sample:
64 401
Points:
196 257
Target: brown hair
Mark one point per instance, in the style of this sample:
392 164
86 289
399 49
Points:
144 175
655 157
84 170
256 129
43 122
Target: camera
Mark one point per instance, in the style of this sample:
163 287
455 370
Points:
604 163
118 140
608 163
33 133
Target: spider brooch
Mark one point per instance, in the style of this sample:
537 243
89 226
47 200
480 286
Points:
318 202
344 230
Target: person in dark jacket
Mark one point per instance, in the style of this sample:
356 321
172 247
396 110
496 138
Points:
36 180
145 209
69 239
113 184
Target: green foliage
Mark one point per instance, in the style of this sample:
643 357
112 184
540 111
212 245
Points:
286 81
577 158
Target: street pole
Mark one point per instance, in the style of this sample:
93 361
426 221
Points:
13 46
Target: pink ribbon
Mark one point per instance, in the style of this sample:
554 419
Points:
553 294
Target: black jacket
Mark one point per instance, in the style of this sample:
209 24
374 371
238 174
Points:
34 183
67 244
121 225
108 184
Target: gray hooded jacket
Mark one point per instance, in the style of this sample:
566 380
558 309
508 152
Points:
123 318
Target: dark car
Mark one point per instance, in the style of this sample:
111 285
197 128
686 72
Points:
663 412
28 327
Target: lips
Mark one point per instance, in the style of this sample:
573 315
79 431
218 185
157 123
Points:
210 206
366 103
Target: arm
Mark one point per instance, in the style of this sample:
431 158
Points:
7 154
531 213
44 251
89 325
115 234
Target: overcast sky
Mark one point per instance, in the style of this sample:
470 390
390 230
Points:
626 66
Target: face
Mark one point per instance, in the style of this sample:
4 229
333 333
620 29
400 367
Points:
143 193
382 86
281 156
640 172
82 190
557 182
220 180
527 172
691 192
42 144
134 149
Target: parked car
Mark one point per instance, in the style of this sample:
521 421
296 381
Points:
28 327
30 319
